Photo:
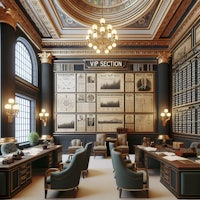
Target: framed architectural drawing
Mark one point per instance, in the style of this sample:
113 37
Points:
110 82
86 107
144 102
110 102
144 82
109 122
65 123
65 102
144 123
65 82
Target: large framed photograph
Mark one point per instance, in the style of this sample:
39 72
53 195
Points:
65 123
144 102
65 82
144 123
110 82
110 102
65 102
109 122
144 82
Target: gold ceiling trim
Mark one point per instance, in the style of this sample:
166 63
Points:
23 22
84 53
6 17
189 21
87 14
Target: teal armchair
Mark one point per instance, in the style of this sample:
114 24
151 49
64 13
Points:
127 179
88 149
66 179
9 147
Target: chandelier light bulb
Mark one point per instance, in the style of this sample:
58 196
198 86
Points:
102 38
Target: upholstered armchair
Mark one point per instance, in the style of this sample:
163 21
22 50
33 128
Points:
66 179
100 147
74 145
88 149
9 147
122 144
196 145
127 179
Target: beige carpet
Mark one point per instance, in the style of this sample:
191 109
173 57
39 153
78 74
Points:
98 185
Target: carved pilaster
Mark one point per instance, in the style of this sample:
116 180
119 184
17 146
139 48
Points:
6 16
45 57
163 57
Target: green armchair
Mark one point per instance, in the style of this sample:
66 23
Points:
127 179
66 179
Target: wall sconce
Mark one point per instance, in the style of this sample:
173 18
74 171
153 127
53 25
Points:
44 116
11 109
165 117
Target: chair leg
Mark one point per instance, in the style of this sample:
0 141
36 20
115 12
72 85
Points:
120 193
45 193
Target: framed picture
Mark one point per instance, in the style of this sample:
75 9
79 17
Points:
110 102
80 82
197 34
81 122
144 102
91 123
144 82
109 122
65 82
144 123
65 122
129 102
182 49
91 82
110 82
65 102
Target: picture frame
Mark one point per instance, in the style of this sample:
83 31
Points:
144 82
65 123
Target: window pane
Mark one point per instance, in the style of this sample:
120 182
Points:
23 64
23 119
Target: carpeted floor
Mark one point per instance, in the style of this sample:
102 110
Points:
98 185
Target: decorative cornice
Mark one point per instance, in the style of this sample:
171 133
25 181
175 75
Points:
45 57
6 17
80 53
186 25
22 21
163 57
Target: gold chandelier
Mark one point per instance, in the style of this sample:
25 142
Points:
102 38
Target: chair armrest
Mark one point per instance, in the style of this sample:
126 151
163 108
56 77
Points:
50 170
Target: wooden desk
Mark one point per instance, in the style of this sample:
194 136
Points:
181 177
17 175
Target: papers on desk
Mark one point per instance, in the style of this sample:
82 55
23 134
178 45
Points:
150 148
32 151
173 158
166 153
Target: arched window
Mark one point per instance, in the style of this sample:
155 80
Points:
25 62
26 69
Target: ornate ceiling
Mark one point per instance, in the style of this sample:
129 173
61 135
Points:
145 27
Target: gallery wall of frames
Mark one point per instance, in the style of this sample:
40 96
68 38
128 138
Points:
101 96
186 84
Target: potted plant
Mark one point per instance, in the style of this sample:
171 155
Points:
33 138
